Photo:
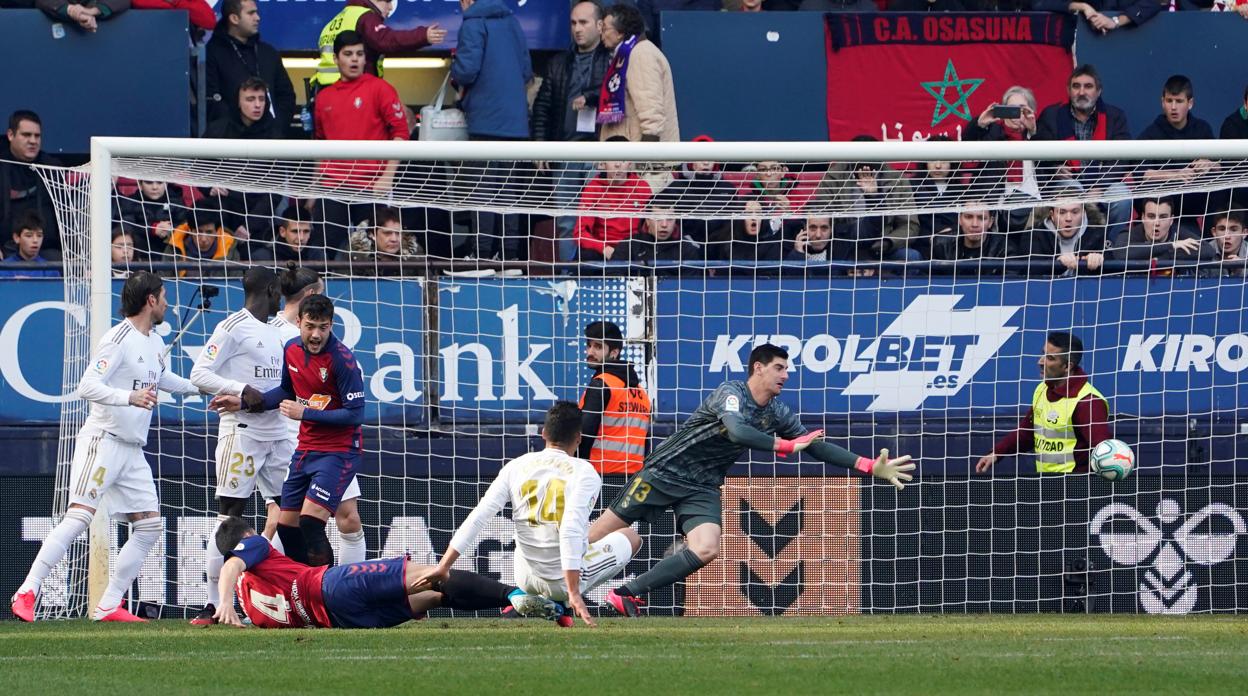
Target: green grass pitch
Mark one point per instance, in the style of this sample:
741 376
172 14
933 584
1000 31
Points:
852 655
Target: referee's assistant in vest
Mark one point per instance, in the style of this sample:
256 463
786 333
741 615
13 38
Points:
615 410
1068 416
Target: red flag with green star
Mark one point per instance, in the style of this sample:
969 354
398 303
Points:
909 76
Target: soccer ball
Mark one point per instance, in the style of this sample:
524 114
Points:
1112 460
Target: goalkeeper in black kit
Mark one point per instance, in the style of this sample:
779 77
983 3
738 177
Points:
686 472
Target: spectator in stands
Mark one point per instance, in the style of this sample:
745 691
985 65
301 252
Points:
699 188
87 14
359 106
927 6
975 238
368 19
855 187
1157 237
149 216
660 240
1070 237
492 68
1086 116
1176 122
565 106
814 241
938 185
638 98
759 238
293 233
235 54
1228 246
21 188
384 242
249 117
1105 15
28 238
1015 178
616 188
771 185
201 240
123 252
1235 126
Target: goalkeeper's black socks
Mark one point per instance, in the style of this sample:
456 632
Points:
318 549
670 570
292 543
470 592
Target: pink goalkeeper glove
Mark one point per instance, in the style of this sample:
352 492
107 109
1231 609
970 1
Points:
786 447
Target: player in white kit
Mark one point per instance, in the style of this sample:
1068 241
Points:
298 282
243 357
551 494
120 382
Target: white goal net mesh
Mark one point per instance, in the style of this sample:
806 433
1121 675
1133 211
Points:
914 299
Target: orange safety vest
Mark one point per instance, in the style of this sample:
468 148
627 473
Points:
620 447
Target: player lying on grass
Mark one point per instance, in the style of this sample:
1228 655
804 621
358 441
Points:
686 471
551 494
278 592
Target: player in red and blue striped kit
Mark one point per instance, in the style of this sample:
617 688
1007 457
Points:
323 388
278 592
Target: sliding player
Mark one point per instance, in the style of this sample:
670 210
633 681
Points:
299 282
685 473
277 592
121 380
551 494
243 357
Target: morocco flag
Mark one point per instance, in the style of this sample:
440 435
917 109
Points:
909 76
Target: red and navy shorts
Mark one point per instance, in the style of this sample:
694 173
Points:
372 594
321 477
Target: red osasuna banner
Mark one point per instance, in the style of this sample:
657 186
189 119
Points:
909 76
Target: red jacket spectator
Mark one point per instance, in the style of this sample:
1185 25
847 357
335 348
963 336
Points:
380 39
623 191
200 11
366 108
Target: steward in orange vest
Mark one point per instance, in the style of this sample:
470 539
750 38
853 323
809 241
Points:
615 418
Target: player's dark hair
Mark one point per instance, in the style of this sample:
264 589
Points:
563 423
295 279
1070 346
135 291
1178 85
627 19
294 213
29 220
1086 70
347 38
316 308
254 84
765 354
258 281
387 214
16 118
230 533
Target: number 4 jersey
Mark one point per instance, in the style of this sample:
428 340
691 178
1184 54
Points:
277 591
551 495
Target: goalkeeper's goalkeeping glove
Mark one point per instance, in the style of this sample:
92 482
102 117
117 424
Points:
891 470
786 447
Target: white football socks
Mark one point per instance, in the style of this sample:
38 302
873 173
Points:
75 522
143 536
353 548
214 561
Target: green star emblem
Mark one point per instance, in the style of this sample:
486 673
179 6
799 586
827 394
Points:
964 89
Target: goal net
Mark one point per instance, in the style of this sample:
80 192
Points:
913 285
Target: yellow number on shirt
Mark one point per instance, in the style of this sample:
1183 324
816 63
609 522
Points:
236 464
550 507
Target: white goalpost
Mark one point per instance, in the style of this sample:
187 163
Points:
889 348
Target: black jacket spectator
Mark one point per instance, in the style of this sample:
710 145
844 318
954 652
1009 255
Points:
232 126
21 189
765 244
551 102
1088 238
150 221
950 247
1140 11
1057 122
230 62
1235 126
697 190
1160 129
1138 246
644 248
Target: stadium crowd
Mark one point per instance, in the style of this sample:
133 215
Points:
614 84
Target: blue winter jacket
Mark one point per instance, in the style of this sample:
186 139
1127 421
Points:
492 65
